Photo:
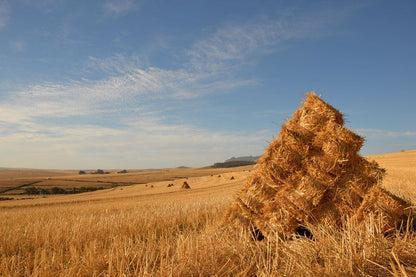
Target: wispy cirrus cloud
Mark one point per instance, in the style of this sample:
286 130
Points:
57 117
17 46
4 13
386 133
124 78
234 45
45 6
118 8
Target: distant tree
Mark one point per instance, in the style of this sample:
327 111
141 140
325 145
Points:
56 190
32 191
81 172
232 164
99 171
123 171
44 191
6 198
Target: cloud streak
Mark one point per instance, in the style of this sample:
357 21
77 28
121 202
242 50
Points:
51 119
4 13
234 45
143 141
117 8
386 133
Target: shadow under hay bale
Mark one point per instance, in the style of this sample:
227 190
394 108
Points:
312 174
302 231
185 185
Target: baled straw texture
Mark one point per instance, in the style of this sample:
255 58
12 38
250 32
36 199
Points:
312 173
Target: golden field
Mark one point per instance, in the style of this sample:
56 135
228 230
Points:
12 182
155 230
401 173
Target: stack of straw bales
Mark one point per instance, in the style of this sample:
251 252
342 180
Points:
312 173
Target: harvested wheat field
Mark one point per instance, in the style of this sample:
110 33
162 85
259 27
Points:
14 182
154 229
401 174
163 231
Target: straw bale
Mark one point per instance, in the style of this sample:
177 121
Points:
312 173
185 185
326 213
294 141
252 203
311 189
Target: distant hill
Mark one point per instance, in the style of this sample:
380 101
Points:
232 164
182 166
243 158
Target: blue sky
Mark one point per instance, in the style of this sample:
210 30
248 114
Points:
145 84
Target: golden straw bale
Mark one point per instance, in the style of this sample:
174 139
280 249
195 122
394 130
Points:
295 141
313 173
252 203
326 213
311 189
185 185
392 209
318 170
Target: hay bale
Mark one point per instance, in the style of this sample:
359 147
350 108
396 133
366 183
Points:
232 178
170 185
312 173
185 185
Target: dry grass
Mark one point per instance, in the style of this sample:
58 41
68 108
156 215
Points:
401 175
161 231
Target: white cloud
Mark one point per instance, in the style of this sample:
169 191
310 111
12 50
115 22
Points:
143 142
17 46
234 45
4 13
386 133
45 6
117 8
125 79
135 97
27 120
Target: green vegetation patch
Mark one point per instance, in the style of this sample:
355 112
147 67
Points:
57 190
